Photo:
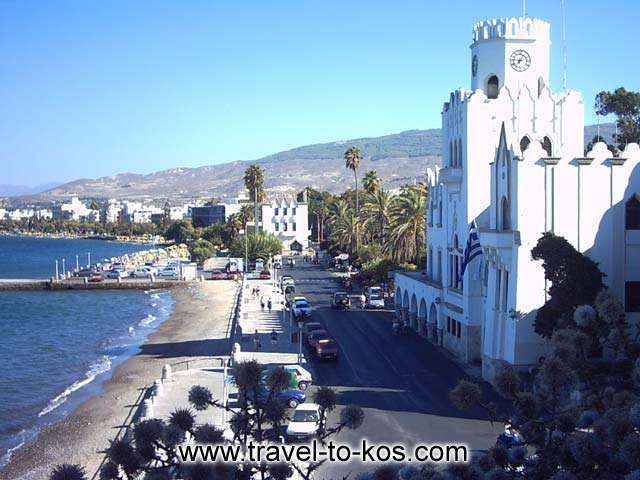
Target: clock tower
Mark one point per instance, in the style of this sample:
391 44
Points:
510 52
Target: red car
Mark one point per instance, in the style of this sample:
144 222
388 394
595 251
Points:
265 275
95 278
218 275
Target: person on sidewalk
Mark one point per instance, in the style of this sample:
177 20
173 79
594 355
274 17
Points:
256 339
269 304
262 303
274 337
363 301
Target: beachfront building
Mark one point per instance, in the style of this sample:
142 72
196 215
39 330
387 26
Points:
74 210
20 214
287 218
514 166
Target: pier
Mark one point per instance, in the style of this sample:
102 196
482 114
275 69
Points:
8 284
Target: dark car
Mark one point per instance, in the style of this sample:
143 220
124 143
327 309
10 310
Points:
218 275
315 336
327 348
341 300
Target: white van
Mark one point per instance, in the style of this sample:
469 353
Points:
375 297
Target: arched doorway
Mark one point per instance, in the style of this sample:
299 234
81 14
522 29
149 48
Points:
405 307
422 318
413 312
433 323
397 301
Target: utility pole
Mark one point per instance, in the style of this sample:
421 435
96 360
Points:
77 263
57 275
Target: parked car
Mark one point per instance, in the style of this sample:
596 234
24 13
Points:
327 348
298 377
143 272
85 272
375 297
304 422
341 300
265 275
289 289
315 336
301 309
291 397
218 275
169 272
95 277
115 274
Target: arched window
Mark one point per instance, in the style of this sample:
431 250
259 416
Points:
450 153
459 152
546 146
440 213
493 87
524 143
632 213
454 158
506 214
541 86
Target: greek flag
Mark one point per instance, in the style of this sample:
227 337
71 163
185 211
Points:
472 250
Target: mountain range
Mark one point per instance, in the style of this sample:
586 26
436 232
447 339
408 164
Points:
399 159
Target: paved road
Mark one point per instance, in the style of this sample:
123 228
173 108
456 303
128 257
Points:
402 382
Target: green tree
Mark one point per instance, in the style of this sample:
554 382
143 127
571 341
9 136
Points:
407 237
256 245
352 160
376 214
625 105
254 183
180 231
201 250
575 280
371 181
246 214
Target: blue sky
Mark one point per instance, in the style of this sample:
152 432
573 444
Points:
93 87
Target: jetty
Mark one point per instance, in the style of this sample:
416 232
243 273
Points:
75 283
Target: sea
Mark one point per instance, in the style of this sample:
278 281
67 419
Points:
58 347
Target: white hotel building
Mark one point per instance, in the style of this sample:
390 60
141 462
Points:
514 162
287 219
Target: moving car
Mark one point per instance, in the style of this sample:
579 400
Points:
375 297
264 275
309 327
315 336
301 309
288 289
327 348
305 421
286 280
341 300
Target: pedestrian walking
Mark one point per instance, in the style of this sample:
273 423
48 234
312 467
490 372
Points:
256 339
269 304
363 301
274 337
253 292
262 303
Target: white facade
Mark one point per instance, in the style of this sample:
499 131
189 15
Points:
288 220
514 163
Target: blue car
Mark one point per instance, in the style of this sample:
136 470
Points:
292 397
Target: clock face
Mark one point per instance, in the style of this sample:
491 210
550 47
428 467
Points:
474 65
520 60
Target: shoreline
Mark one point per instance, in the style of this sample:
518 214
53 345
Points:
108 238
197 327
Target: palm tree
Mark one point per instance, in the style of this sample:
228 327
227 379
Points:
376 214
408 230
344 225
245 214
352 160
254 183
371 181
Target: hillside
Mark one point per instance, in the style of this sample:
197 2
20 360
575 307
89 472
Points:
399 158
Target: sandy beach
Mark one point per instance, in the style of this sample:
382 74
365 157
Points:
198 327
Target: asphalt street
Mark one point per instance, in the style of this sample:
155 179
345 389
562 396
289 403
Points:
402 382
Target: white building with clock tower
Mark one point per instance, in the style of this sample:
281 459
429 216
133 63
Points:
514 163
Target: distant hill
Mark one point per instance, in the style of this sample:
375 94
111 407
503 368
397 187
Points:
17 190
399 159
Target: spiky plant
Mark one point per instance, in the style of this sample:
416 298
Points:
183 419
68 472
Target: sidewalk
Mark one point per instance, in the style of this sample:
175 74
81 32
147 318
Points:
253 318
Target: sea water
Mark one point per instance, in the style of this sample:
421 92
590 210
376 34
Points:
57 347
